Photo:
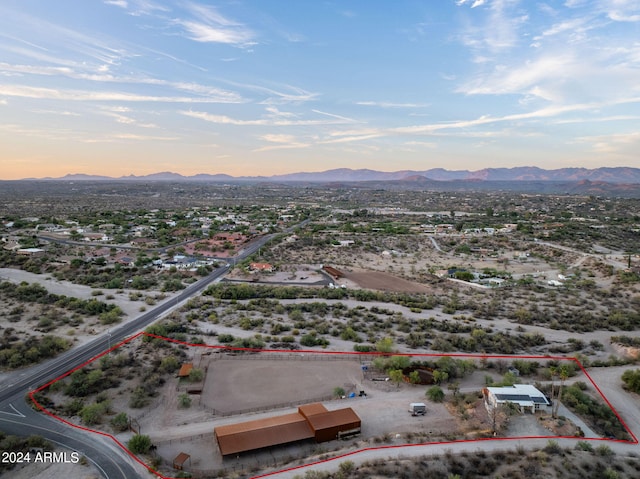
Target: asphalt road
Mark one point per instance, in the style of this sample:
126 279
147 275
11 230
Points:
17 417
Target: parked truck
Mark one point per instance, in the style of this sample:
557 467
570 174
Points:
418 408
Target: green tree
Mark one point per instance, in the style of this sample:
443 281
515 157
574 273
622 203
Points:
92 413
338 392
631 379
435 394
440 376
184 401
396 376
120 422
414 377
196 375
385 345
139 444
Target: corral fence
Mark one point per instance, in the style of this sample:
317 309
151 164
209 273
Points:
283 405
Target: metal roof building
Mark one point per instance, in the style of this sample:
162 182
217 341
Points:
524 395
312 421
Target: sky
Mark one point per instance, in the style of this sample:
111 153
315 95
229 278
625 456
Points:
248 87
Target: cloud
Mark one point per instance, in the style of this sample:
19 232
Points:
426 144
117 3
87 95
339 117
201 32
547 112
226 120
124 119
281 142
56 112
223 119
213 27
97 75
138 7
387 104
474 4
617 143
499 26
349 136
131 136
542 77
622 10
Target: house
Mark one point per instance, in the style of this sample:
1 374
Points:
34 252
267 267
525 396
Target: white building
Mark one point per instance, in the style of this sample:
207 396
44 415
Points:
526 396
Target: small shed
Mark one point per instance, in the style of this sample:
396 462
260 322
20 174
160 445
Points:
185 370
178 462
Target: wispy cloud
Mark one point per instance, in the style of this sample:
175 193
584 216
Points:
343 119
87 95
117 3
622 10
138 7
388 104
56 112
270 121
548 112
119 117
617 143
472 3
351 139
209 25
281 141
101 75
499 25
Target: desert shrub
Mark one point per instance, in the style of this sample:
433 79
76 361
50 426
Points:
435 394
631 379
92 413
120 422
139 444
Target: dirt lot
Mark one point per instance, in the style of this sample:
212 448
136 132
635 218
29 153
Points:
385 282
287 274
239 384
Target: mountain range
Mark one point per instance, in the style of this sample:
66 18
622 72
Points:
623 175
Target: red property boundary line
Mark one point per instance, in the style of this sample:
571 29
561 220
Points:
354 353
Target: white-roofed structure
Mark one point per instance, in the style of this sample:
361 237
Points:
526 396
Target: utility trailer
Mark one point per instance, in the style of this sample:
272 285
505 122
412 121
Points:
418 408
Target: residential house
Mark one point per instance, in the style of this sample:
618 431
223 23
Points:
525 396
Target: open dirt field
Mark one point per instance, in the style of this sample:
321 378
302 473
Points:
384 282
240 384
301 274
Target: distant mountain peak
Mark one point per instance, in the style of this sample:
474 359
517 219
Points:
620 175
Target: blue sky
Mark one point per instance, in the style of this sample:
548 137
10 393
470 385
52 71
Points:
122 87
